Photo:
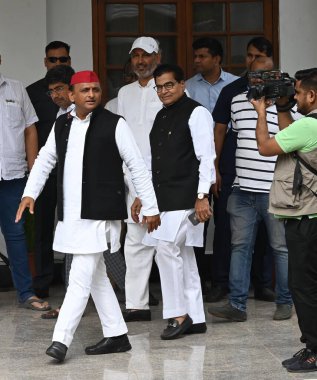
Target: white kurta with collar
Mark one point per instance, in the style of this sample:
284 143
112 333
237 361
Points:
201 129
86 239
139 106
73 234
175 238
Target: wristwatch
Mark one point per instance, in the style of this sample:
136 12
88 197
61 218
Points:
202 196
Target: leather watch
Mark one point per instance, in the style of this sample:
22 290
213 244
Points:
202 196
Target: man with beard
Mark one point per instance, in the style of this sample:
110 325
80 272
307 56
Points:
138 103
293 198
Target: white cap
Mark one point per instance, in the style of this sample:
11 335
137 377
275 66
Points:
148 44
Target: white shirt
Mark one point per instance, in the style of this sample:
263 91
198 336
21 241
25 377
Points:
62 111
16 114
139 106
112 105
73 234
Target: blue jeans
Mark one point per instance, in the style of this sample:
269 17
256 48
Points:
246 210
14 235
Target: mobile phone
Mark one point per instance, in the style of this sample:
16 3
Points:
193 219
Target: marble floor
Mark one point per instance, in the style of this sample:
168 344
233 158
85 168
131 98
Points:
228 351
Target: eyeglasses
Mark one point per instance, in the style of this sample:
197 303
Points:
56 90
167 86
60 59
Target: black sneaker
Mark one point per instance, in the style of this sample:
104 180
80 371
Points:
305 363
216 294
298 355
229 312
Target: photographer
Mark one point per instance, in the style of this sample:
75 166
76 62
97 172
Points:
293 196
247 207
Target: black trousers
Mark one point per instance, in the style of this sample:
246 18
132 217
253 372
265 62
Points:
44 217
301 239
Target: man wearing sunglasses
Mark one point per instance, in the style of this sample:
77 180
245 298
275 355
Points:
56 53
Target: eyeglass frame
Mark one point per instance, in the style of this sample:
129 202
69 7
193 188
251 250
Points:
56 90
62 59
168 86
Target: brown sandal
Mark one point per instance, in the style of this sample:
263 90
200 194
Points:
52 314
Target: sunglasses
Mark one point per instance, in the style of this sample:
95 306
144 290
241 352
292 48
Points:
60 59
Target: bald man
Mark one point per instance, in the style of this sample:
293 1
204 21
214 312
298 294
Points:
248 205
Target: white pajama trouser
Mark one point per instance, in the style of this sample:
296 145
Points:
180 281
139 260
87 276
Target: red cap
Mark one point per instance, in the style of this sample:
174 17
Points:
84 77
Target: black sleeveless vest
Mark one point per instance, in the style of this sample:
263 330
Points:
103 189
174 163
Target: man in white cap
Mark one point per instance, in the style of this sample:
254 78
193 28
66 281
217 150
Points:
90 201
138 103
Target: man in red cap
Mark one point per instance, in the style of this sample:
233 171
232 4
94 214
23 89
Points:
90 145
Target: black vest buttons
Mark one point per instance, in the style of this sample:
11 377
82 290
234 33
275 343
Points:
158 157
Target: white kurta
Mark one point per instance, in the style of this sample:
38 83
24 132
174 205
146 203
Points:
73 234
201 129
174 239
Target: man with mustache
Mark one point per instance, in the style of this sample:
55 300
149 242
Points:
90 145
138 103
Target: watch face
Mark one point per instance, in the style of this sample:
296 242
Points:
200 195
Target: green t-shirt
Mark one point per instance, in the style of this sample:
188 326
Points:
300 136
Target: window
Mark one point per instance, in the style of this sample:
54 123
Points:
176 24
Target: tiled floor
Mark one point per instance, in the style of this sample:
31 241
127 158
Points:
228 351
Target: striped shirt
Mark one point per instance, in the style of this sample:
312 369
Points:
253 171
16 114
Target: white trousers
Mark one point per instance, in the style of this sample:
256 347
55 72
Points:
88 276
180 281
139 259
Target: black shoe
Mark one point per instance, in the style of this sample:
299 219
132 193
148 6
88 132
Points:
264 294
229 312
197 328
216 294
136 315
174 329
298 355
57 351
152 300
304 363
110 345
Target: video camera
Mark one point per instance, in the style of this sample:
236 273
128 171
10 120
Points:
270 84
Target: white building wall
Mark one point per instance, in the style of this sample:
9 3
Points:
26 26
298 32
71 21
22 38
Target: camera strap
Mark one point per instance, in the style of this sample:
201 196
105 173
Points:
298 175
306 164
